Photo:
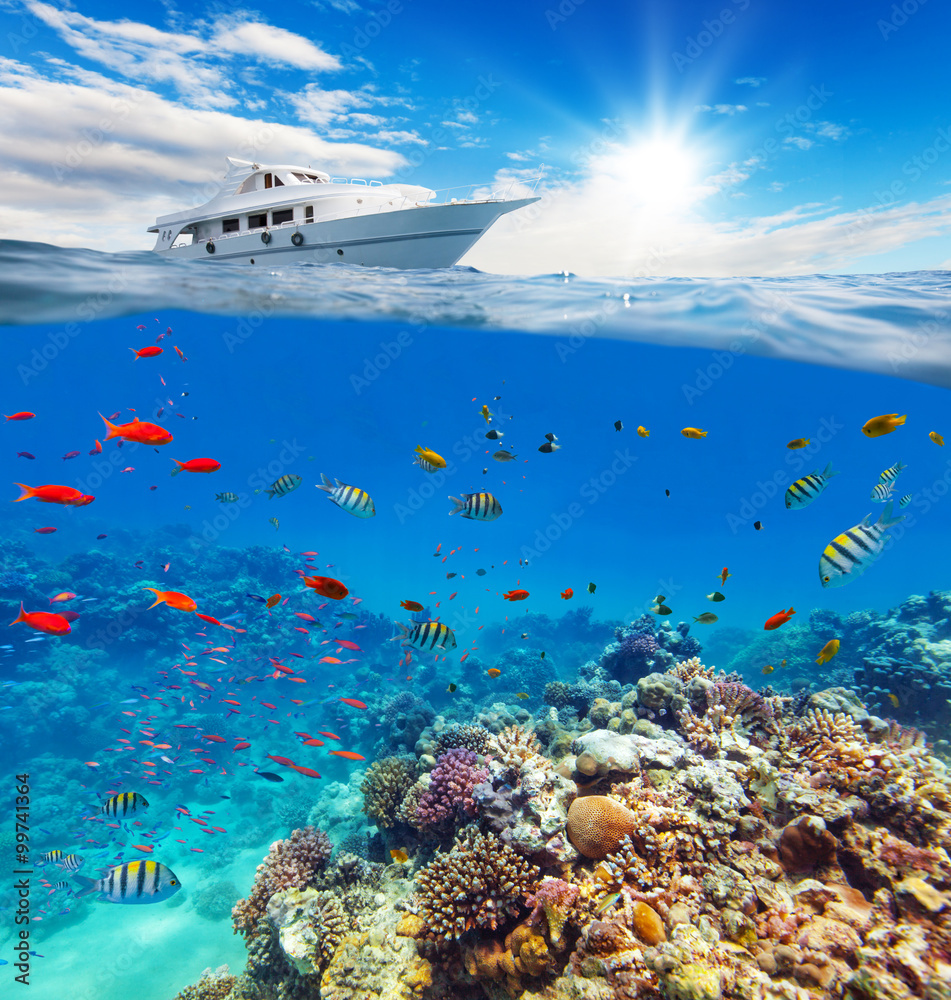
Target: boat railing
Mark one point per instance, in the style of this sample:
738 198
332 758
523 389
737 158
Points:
484 192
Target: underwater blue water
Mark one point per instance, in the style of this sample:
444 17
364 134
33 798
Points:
336 370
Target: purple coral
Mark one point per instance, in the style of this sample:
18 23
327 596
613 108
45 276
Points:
450 788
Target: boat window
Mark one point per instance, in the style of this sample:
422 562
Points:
282 215
303 178
257 221
309 213
314 178
278 183
268 181
230 225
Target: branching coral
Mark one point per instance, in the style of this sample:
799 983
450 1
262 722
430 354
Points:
384 787
478 885
686 670
474 738
290 864
515 747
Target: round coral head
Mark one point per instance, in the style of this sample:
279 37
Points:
597 825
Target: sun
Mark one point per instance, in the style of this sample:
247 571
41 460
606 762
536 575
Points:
657 173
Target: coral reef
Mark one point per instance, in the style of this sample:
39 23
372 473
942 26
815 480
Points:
385 786
449 792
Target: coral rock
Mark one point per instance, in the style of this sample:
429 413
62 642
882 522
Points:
647 924
597 825
805 844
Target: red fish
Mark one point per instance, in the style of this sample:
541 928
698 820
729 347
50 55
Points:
330 736
70 616
241 746
272 600
327 586
347 754
215 739
65 595
286 761
70 454
172 598
309 771
146 352
780 618
305 617
353 702
24 454
411 605
329 659
566 595
43 531
312 743
179 353
64 495
515 595
196 465
207 618
22 415
43 621
347 644
98 449
138 431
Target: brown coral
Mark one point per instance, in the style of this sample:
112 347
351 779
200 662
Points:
290 864
515 747
597 825
386 783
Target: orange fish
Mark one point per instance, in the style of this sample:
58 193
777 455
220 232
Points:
352 702
146 352
43 621
138 431
493 672
286 761
309 771
215 739
209 619
566 595
272 600
64 495
780 618
347 754
724 575
196 465
312 742
347 644
66 595
143 847
44 531
330 736
411 605
22 415
240 746
178 351
329 659
172 598
515 595
327 586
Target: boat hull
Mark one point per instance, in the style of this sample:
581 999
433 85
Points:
425 237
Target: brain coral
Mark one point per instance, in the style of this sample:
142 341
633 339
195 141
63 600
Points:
597 825
480 883
386 783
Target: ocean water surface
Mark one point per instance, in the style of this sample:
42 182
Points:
312 370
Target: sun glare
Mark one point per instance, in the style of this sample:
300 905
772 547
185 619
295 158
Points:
658 172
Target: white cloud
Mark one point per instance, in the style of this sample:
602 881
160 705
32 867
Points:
270 44
799 141
195 63
91 161
831 130
722 109
752 81
598 227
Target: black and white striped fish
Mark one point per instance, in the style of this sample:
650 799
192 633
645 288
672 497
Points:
882 492
905 500
281 487
427 636
477 506
125 804
63 884
54 856
850 554
891 473
71 862
227 497
804 491
349 498
133 882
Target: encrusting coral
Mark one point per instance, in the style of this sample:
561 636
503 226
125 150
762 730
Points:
384 786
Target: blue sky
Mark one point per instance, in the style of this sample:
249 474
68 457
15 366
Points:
708 138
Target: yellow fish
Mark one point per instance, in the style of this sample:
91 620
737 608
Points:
936 437
485 413
798 443
275 522
401 857
428 460
693 432
893 698
522 694
884 424
828 651
767 669
644 432
493 671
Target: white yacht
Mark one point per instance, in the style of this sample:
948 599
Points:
277 214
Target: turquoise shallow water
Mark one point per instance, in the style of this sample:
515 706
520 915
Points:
311 370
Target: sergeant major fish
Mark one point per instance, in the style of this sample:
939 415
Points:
804 491
133 882
429 635
349 498
281 487
125 804
477 506
850 554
